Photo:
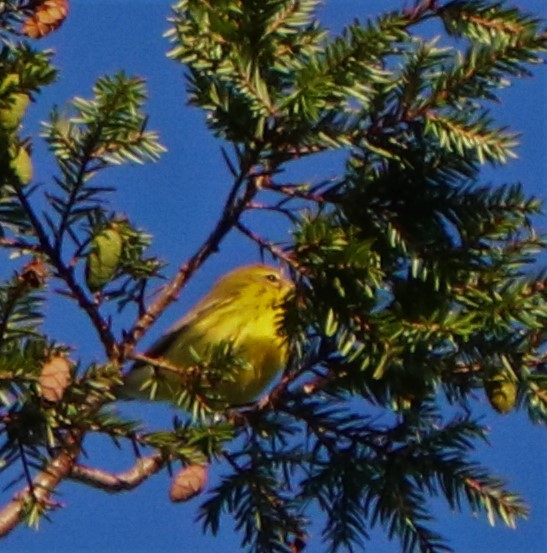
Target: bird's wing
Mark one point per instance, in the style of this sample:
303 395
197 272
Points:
207 307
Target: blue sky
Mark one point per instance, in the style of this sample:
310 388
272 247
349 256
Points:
177 200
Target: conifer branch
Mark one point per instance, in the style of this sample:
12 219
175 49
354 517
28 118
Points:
234 206
65 273
417 285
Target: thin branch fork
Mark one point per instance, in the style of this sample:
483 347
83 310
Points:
64 466
235 205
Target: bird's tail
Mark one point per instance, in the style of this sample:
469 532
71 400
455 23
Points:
133 384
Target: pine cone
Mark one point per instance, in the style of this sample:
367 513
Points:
48 16
55 378
189 482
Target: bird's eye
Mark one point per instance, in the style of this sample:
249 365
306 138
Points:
272 277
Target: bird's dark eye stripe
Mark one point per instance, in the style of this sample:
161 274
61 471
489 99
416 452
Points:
272 277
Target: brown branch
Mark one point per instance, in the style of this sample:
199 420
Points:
266 245
275 399
123 481
296 191
18 244
64 464
66 274
418 12
235 205
41 488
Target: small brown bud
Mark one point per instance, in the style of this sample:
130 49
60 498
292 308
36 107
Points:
296 542
34 273
298 545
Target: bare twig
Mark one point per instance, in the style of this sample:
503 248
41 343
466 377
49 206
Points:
18 245
296 191
419 11
40 490
123 481
264 244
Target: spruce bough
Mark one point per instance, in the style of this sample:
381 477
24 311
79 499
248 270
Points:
418 300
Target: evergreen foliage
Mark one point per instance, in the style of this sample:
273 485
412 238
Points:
417 291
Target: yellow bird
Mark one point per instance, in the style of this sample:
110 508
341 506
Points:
244 308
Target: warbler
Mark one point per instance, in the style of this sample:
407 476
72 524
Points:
244 309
